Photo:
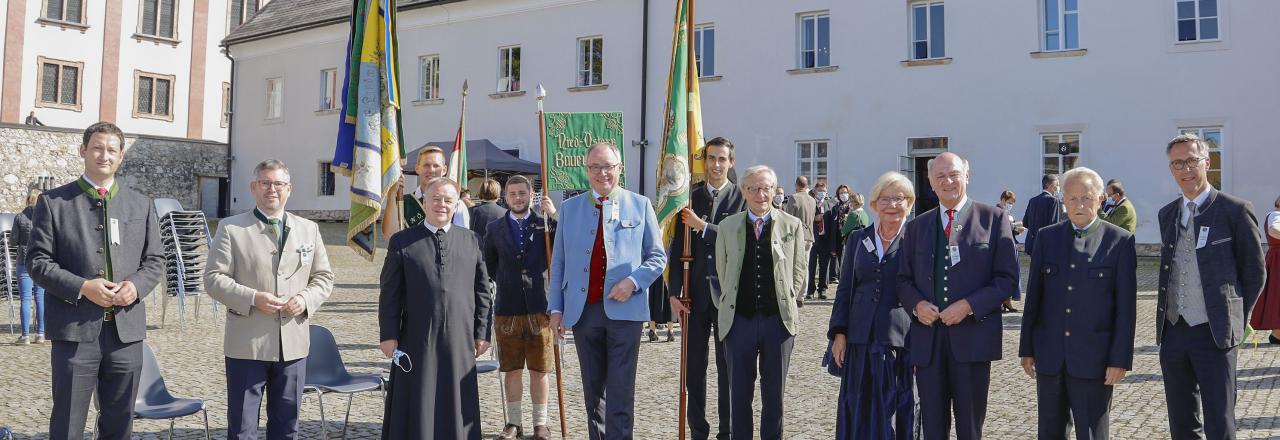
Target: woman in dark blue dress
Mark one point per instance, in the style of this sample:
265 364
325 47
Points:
868 326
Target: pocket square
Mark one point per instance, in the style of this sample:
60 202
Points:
982 245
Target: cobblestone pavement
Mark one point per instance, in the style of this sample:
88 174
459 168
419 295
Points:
190 357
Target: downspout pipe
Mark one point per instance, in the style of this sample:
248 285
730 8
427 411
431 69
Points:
224 207
643 143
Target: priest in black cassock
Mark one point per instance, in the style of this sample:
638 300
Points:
433 317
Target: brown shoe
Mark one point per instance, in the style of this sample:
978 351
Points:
540 432
511 432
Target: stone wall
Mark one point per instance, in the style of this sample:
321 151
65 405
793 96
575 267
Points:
158 167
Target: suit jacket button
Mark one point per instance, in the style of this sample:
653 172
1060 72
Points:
101 273
1068 311
584 289
1068 333
98 228
99 250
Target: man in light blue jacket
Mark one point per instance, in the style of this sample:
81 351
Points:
607 246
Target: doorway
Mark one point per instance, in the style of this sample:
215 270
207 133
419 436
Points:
926 198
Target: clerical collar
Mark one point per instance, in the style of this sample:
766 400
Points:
713 190
433 228
753 217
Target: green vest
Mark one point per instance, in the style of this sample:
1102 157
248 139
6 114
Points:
414 213
940 260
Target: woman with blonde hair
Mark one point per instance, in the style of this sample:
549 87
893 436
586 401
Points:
28 289
868 325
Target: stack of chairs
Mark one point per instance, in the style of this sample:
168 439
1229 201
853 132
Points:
185 235
8 268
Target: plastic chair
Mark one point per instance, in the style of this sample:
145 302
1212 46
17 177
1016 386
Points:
8 265
327 374
154 401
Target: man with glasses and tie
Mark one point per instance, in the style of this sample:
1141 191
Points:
608 250
959 267
95 248
433 322
270 269
761 260
1211 273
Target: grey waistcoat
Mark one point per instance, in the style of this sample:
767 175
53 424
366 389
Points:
1186 293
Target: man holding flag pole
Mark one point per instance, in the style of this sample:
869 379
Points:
681 164
558 346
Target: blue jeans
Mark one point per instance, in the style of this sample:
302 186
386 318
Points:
29 288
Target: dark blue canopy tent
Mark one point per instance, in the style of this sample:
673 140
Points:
484 159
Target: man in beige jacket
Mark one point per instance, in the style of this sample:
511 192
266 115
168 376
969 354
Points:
271 270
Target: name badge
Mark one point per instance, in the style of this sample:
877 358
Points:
866 242
114 233
1204 237
955 254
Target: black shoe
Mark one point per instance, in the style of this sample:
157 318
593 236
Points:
1009 308
799 302
653 336
822 296
1273 339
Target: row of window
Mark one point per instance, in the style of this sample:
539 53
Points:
60 83
811 155
156 18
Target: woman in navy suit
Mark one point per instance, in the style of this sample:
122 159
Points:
868 325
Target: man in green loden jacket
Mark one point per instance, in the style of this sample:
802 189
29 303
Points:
1119 210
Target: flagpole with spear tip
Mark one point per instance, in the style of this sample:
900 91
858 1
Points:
687 257
546 230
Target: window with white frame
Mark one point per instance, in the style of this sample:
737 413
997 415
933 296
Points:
811 159
1054 161
329 89
1061 24
814 33
429 77
326 179
590 61
225 120
158 18
704 49
1197 20
59 85
928 31
1213 139
275 98
240 12
70 11
509 69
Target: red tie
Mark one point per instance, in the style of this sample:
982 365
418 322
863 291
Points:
102 192
951 218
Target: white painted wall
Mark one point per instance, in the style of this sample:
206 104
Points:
1128 94
72 45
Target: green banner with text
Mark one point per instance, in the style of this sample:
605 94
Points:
568 137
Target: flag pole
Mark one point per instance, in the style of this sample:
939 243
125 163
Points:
687 258
546 231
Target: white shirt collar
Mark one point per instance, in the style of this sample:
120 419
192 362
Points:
91 182
752 216
942 210
720 189
1199 200
880 250
512 214
433 228
1086 227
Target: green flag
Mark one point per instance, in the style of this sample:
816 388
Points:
568 137
681 160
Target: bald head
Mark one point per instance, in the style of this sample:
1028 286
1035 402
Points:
949 177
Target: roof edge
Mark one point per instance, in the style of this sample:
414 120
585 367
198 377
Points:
228 42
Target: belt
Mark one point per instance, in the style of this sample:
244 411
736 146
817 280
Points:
109 314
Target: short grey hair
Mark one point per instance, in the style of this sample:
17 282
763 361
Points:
886 180
437 181
1198 145
758 169
964 164
270 164
600 144
1089 177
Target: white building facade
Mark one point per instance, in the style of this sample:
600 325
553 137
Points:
153 67
827 89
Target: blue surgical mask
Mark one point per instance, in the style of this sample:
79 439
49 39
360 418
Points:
822 194
777 200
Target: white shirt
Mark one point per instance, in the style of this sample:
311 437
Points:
713 191
1086 227
461 215
880 243
753 217
942 211
1186 215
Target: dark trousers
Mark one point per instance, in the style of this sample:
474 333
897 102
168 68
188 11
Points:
1064 399
947 384
607 353
759 344
819 264
283 381
1198 373
110 367
702 325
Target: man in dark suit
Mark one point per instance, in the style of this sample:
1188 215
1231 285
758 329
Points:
803 206
820 253
1081 310
515 253
488 209
960 265
1211 274
712 201
1043 210
95 248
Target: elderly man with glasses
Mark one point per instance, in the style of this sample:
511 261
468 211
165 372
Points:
1211 274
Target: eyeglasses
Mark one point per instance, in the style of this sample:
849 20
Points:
1086 201
890 201
597 169
1192 162
760 189
277 185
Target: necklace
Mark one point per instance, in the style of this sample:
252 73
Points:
880 234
